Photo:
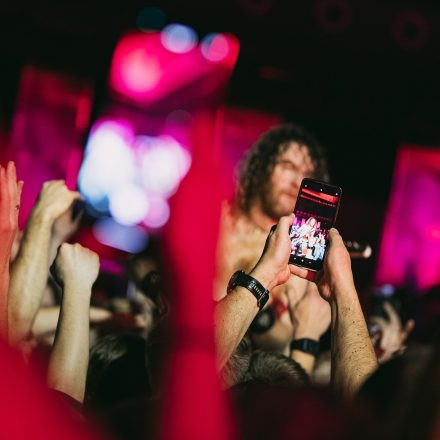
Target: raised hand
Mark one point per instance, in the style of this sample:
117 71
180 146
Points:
10 194
76 265
272 268
66 225
393 332
54 200
76 269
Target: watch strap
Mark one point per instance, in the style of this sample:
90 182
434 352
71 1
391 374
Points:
250 283
306 345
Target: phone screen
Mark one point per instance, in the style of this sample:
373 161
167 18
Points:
315 214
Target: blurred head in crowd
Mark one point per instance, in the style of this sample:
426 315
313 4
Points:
271 172
117 371
275 369
237 366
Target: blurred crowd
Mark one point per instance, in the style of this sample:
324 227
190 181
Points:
302 357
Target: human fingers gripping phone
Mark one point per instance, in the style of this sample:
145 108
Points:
315 214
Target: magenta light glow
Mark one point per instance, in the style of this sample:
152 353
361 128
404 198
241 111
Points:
149 67
52 111
158 214
140 71
215 47
410 246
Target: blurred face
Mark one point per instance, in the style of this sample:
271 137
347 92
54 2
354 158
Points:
279 195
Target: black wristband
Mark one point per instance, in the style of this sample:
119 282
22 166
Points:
254 286
306 345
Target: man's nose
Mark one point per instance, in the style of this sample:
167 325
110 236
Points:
295 182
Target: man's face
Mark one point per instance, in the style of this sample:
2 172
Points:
279 196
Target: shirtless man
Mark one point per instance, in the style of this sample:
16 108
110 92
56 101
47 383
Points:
269 179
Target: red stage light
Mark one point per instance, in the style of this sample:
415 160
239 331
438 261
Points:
140 71
149 67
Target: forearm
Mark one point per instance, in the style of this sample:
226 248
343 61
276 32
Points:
306 331
306 360
233 316
29 277
47 319
353 357
4 286
6 240
68 361
54 244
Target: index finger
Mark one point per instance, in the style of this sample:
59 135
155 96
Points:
334 237
11 178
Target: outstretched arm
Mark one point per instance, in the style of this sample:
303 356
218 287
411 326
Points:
31 267
77 269
311 319
10 193
353 357
235 312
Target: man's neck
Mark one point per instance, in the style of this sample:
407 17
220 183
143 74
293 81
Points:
259 218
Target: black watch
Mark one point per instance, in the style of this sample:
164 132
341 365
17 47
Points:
306 345
255 287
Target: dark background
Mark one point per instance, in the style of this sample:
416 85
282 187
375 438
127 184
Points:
362 75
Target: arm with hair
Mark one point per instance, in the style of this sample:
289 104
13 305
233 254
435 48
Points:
47 319
31 267
311 318
77 269
10 193
353 357
235 312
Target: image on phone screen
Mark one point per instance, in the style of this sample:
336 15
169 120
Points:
315 214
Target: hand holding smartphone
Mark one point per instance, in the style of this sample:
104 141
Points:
315 214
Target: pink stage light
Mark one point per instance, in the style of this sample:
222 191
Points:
149 67
410 249
140 71
215 47
137 66
158 214
178 38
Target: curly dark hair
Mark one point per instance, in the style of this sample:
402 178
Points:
256 168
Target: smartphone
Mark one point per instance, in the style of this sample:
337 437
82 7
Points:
315 214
